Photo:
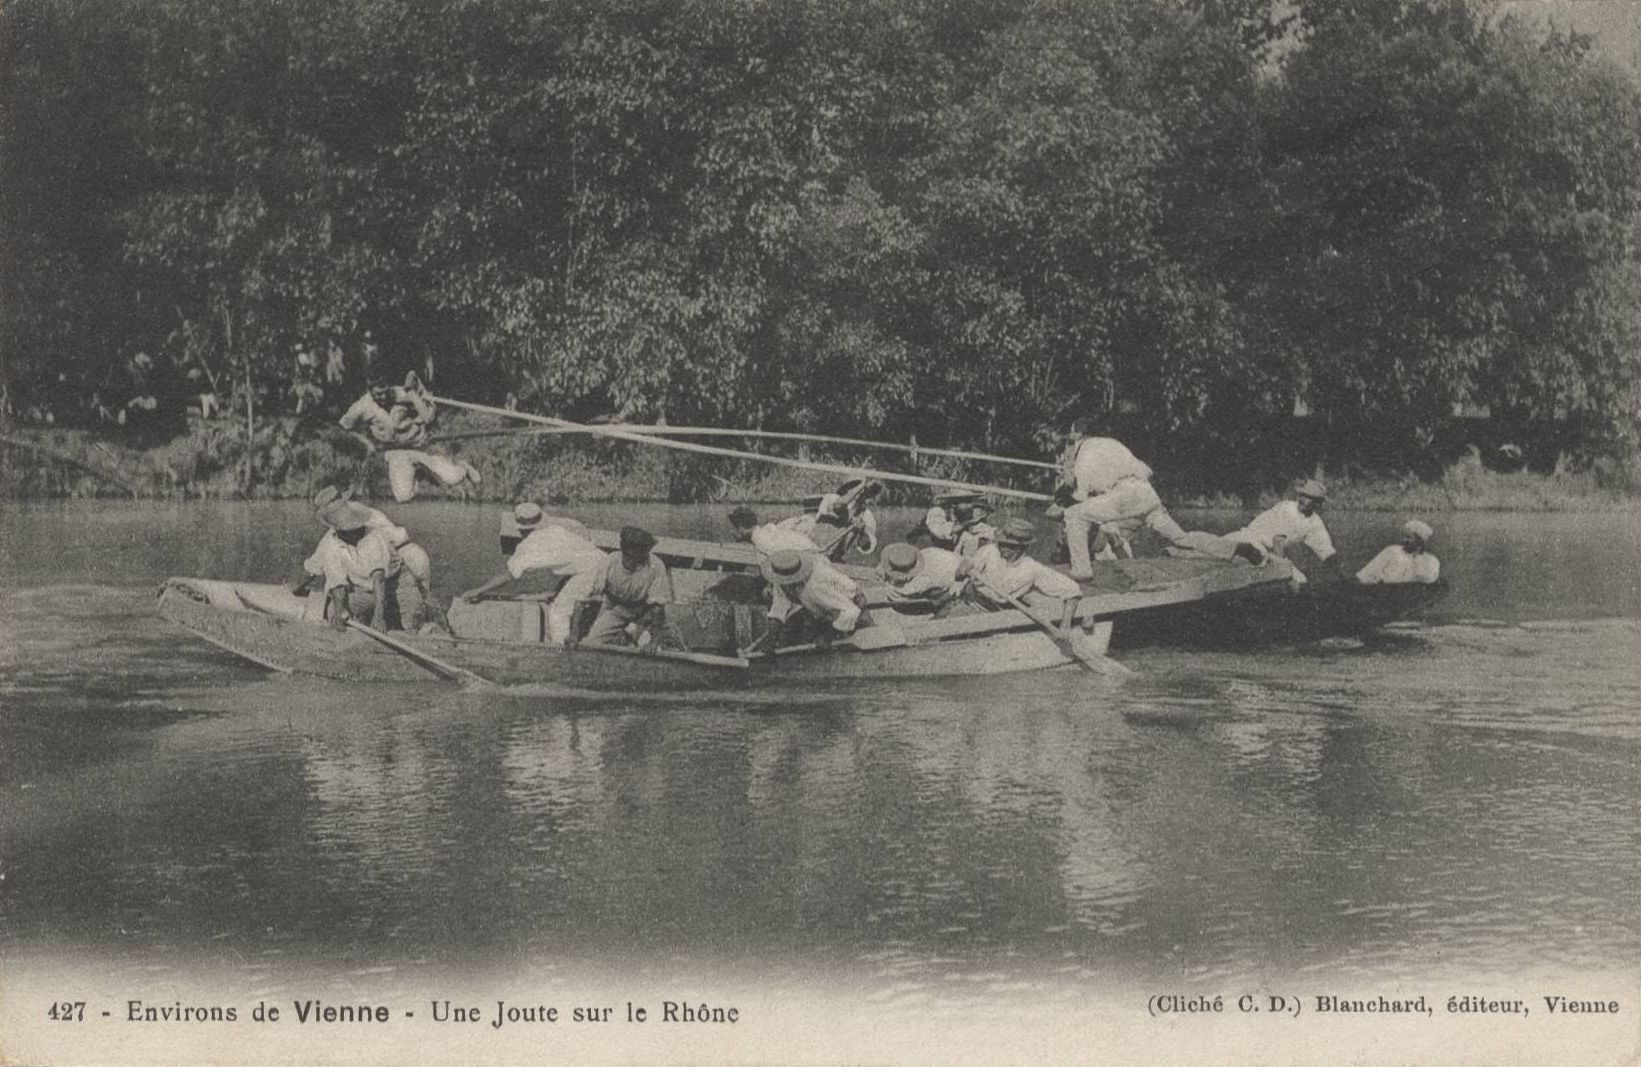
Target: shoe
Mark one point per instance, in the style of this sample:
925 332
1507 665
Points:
473 475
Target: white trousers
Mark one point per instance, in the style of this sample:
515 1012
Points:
401 471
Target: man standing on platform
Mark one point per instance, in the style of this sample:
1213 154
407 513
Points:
636 589
1103 484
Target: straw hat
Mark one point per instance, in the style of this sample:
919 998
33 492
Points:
528 515
329 495
346 516
787 568
1016 532
1421 530
1312 488
900 563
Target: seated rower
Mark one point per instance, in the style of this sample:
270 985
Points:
636 589
396 420
1002 569
550 550
845 519
804 583
805 523
412 556
358 568
767 537
1409 561
915 575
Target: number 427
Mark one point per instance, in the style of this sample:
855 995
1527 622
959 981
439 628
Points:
67 1011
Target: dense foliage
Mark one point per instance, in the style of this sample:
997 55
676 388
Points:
968 219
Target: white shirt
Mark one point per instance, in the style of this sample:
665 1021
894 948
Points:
1098 463
343 564
771 538
557 549
403 424
1396 565
803 524
1023 575
971 540
828 595
1284 521
938 579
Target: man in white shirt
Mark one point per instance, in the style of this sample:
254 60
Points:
923 575
804 582
1103 484
551 548
1409 561
413 557
767 537
940 523
805 523
1291 522
1004 568
396 421
358 569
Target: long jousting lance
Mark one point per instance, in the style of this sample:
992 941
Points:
652 438
774 435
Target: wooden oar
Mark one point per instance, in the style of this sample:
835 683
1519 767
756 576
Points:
437 666
1090 660
709 450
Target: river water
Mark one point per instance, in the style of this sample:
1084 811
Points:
1458 802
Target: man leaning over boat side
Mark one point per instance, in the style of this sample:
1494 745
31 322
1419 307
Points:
1003 569
923 576
1406 562
360 579
805 584
396 419
550 549
636 588
1105 486
804 522
767 537
412 556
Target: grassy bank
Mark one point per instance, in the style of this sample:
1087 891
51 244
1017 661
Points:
292 459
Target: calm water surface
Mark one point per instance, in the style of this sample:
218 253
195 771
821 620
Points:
1463 795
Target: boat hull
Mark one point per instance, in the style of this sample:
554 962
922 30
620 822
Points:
1277 616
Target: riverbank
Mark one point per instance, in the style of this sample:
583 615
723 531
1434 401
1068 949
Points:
291 458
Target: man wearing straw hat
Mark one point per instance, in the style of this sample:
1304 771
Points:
356 564
552 549
1409 561
412 556
935 576
803 582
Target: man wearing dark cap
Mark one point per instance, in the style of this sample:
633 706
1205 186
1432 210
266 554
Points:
636 589
1292 522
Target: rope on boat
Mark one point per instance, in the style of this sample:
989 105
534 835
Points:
713 450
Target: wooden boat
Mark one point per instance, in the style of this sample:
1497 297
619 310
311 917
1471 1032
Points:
270 626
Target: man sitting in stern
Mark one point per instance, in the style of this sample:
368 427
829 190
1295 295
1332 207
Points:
1409 561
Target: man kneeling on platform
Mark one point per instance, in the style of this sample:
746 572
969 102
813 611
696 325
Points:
803 583
361 574
636 589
